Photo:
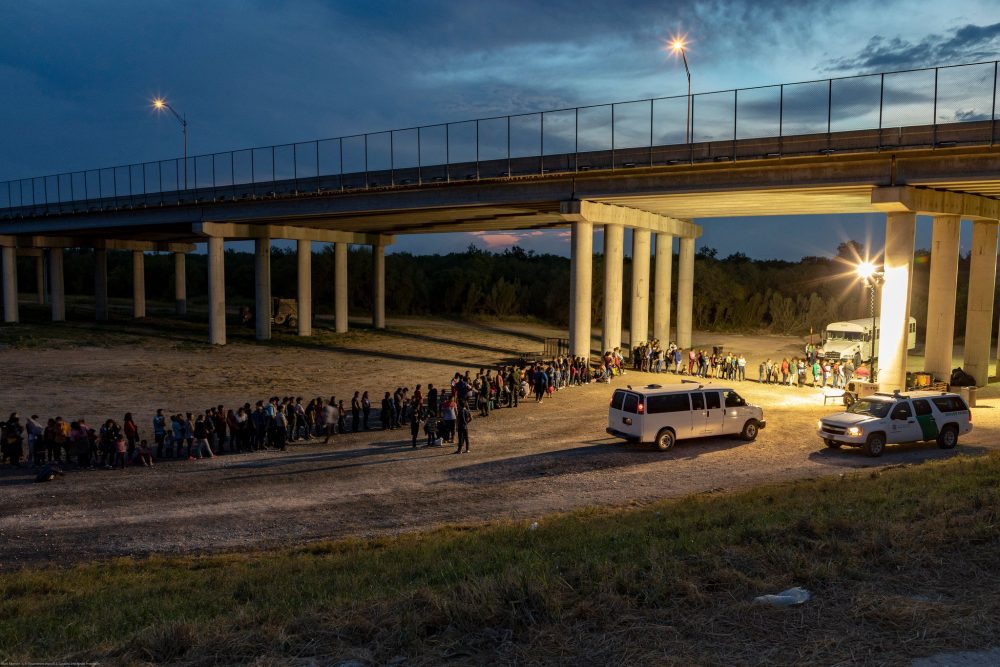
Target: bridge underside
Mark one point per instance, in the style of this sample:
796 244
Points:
948 183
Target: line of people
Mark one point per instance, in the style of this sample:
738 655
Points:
441 414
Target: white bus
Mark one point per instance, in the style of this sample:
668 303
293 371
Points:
845 340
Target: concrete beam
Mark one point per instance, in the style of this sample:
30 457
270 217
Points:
639 325
685 291
581 270
100 284
378 287
180 283
9 261
608 214
662 277
614 248
894 322
107 244
138 284
234 230
262 291
979 307
304 290
941 291
340 293
908 199
216 291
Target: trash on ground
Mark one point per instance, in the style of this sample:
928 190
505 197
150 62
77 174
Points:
789 598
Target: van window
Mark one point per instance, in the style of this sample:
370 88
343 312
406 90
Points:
617 399
698 401
949 403
667 403
921 407
734 400
712 401
631 403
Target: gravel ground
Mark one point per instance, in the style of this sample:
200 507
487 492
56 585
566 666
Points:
525 462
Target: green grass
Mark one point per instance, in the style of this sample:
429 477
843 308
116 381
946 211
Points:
901 563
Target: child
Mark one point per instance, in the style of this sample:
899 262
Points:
431 429
144 453
120 448
415 424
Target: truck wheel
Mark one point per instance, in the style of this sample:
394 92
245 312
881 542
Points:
875 445
665 440
948 438
832 444
750 430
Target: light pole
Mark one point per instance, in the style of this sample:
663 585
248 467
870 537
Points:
872 278
679 46
160 104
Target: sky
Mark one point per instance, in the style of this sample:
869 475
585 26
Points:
78 76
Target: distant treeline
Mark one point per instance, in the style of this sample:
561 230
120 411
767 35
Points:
734 293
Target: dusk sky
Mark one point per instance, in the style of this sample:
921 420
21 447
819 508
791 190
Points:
78 77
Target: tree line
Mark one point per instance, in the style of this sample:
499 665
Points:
733 293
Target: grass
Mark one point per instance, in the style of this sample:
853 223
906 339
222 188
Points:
901 563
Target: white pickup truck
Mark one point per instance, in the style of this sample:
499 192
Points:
880 419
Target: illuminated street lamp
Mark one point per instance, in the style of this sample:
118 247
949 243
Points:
160 104
679 46
872 278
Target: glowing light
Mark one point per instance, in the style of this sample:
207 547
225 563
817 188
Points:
866 270
158 103
677 45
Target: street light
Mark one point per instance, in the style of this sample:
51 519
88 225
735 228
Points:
872 277
679 46
160 104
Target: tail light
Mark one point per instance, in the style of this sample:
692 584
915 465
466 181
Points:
642 407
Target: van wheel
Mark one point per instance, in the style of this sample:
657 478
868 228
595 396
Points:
948 438
875 445
750 430
665 440
832 444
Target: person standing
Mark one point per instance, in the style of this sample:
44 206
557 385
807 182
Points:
448 413
415 421
159 431
356 412
366 408
432 400
462 422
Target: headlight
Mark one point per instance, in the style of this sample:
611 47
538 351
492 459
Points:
819 425
854 431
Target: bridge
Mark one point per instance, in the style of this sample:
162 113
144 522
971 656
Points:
898 143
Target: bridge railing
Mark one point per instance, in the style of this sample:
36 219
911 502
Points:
931 107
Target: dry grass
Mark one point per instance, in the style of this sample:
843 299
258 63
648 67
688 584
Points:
901 564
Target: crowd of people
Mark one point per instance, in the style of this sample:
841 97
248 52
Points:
811 369
441 414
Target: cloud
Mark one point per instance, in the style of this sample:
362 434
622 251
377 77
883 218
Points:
965 44
494 241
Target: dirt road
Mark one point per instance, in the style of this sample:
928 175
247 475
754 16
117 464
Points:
525 462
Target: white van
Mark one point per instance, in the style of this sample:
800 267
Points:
664 415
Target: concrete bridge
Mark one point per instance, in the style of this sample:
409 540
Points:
948 170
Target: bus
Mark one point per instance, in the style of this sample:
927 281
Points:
851 339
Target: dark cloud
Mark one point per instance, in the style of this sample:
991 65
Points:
969 43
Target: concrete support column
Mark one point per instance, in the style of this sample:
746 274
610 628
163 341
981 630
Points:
941 296
639 326
100 284
685 292
262 283
894 320
180 284
303 252
40 278
378 286
614 247
340 287
216 291
138 283
9 260
57 285
662 279
581 271
979 316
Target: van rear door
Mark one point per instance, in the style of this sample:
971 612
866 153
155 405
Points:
623 414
